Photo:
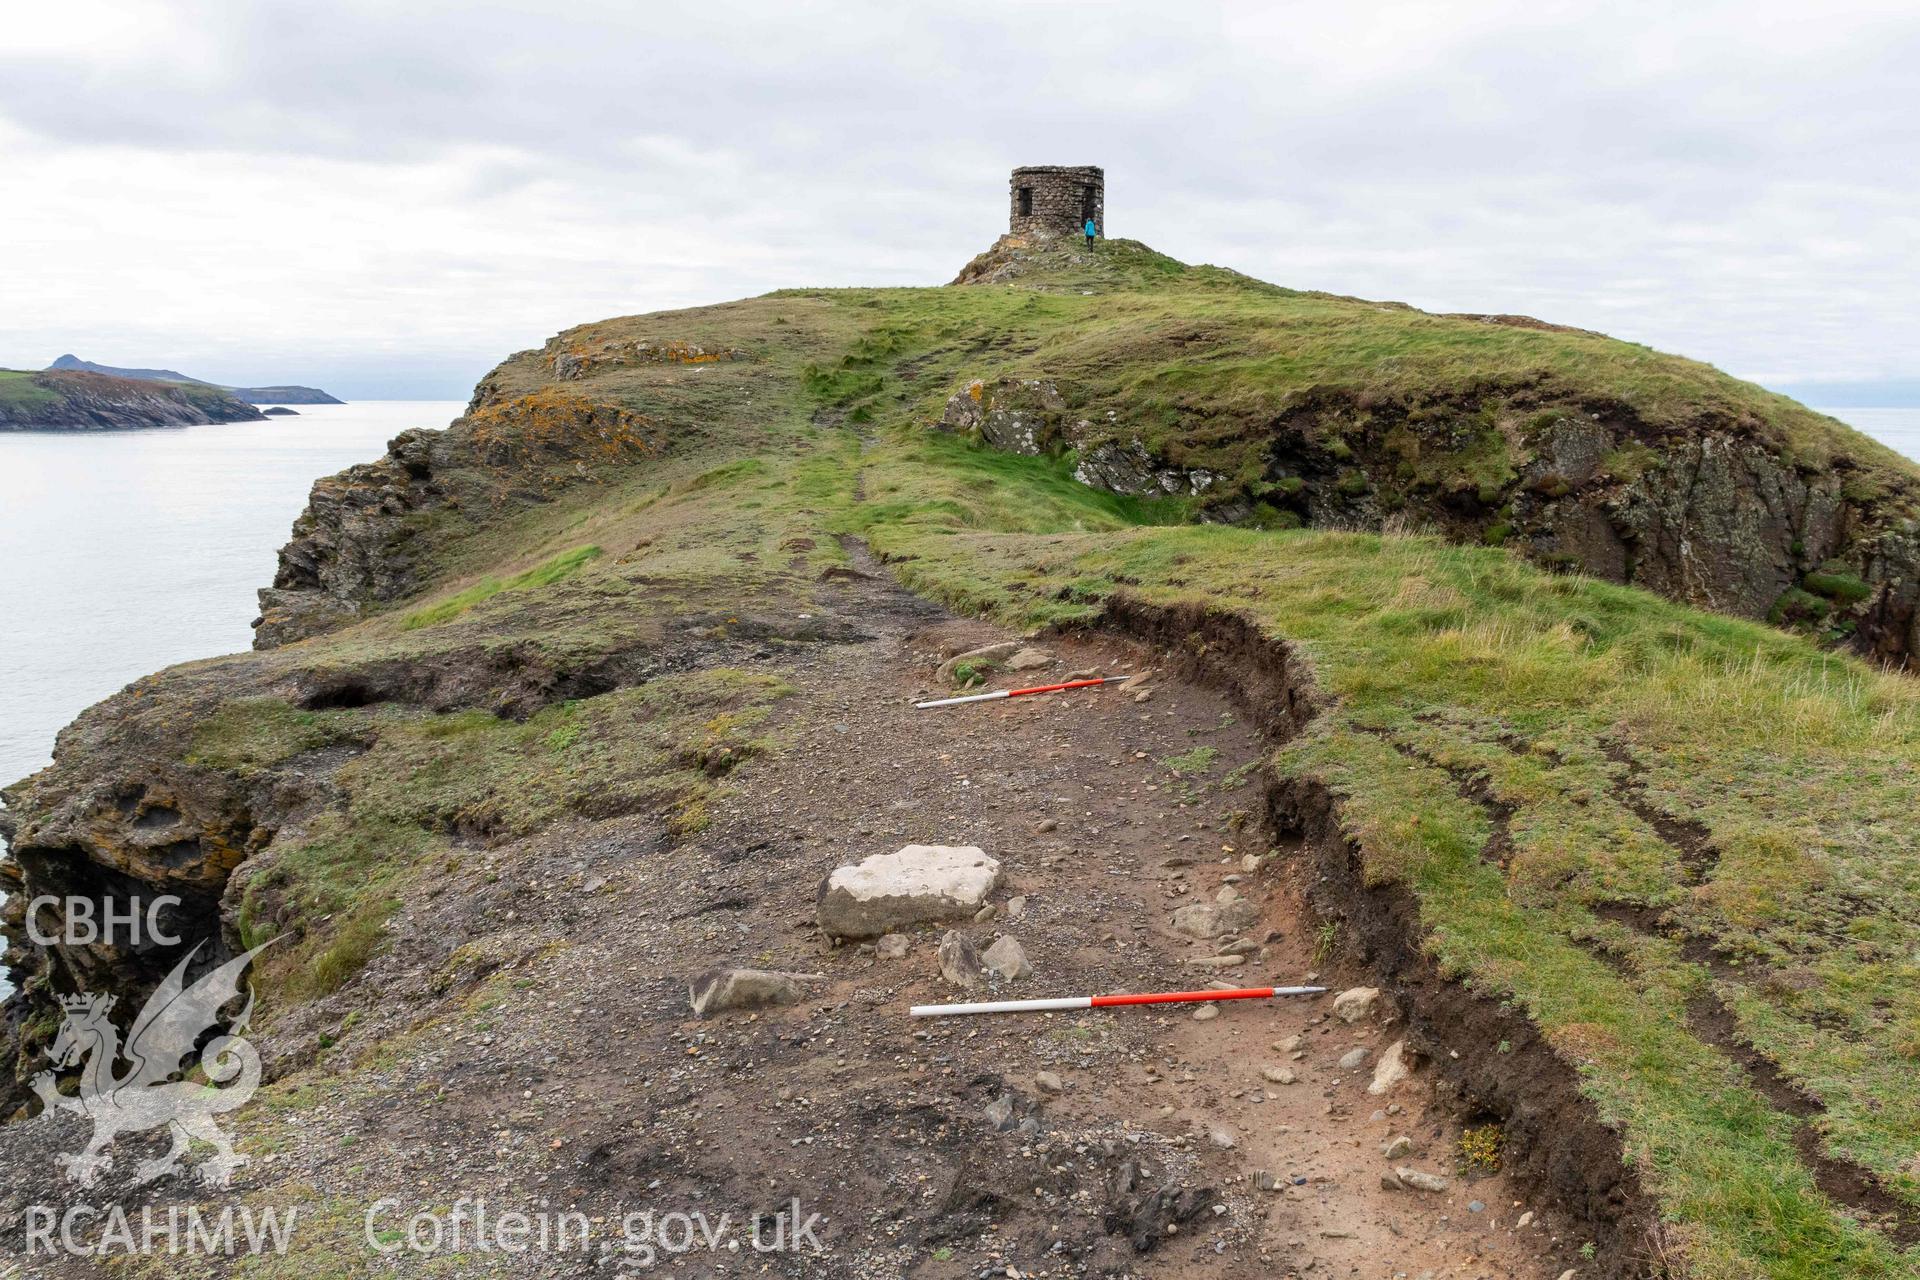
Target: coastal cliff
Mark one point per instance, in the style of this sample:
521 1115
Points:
79 401
1581 452
548 719
1712 513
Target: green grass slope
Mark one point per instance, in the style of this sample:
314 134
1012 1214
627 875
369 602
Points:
1593 715
1175 343
21 396
1281 408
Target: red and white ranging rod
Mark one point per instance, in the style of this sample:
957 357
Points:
1019 693
1066 1003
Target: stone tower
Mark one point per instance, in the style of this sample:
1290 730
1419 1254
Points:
1057 199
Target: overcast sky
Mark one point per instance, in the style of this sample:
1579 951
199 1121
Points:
384 197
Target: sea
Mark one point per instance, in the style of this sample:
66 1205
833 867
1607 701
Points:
122 552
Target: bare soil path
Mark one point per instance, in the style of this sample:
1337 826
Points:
526 1040
1103 838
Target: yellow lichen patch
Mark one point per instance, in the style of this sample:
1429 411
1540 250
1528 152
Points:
578 360
562 425
676 351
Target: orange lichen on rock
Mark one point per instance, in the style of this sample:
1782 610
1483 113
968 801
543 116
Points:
558 424
576 361
677 352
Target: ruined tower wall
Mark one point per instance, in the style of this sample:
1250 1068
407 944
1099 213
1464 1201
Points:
1054 199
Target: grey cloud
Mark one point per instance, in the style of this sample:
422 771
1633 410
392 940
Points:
1732 181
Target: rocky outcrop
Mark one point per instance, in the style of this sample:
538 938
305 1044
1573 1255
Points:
358 545
1127 467
1724 522
1019 415
1014 256
1030 416
1717 517
80 401
570 361
130 836
124 818
1889 622
1717 521
352 546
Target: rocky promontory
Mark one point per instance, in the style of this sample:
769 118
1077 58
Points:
79 401
559 722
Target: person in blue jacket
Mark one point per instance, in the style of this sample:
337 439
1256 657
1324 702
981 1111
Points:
1091 230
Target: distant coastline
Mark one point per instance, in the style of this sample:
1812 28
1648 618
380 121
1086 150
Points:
72 394
74 401
287 393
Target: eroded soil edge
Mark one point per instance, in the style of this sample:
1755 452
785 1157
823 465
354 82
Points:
1556 1140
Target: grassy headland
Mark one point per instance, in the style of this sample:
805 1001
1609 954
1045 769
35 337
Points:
1677 842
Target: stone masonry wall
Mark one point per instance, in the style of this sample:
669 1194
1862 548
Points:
1060 198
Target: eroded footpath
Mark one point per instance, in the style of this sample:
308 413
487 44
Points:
526 1039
